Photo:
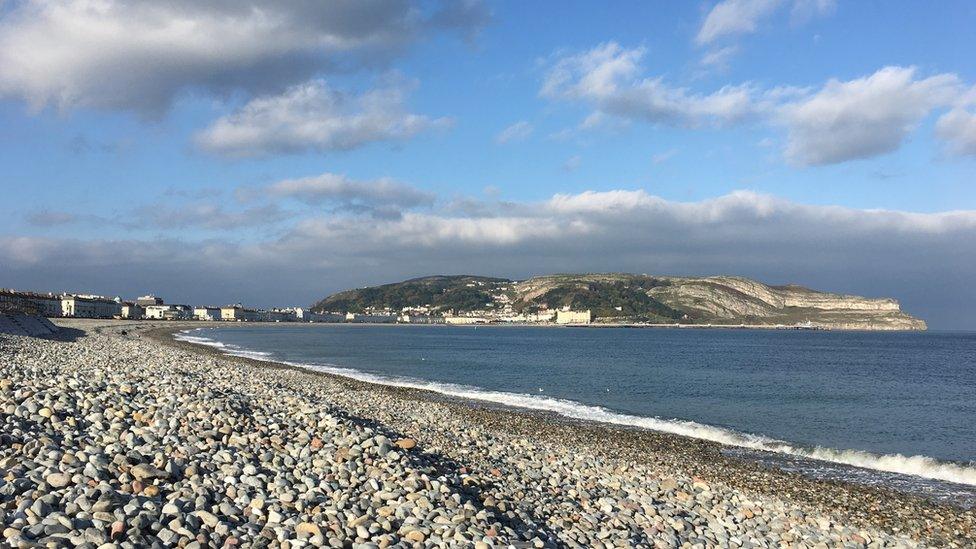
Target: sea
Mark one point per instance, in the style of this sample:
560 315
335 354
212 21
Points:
896 409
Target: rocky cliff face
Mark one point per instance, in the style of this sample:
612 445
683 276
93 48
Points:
734 299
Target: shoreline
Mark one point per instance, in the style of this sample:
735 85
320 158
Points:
708 457
530 478
628 325
925 469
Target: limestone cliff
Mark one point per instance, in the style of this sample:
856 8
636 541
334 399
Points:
713 300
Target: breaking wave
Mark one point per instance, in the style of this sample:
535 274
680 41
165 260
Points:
920 466
226 348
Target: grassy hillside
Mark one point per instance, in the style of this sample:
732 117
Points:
606 299
441 293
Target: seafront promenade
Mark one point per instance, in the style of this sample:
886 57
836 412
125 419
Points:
115 435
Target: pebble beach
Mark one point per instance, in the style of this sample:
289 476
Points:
115 435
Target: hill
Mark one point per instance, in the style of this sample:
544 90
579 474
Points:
439 293
616 297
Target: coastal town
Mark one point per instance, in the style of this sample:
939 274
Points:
152 307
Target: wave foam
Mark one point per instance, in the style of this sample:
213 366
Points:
920 466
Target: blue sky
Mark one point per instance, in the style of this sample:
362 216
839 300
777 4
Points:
257 133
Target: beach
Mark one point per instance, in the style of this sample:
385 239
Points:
117 435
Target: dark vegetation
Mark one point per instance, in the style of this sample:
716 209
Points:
611 300
442 293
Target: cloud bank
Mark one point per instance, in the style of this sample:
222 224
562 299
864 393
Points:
138 56
920 258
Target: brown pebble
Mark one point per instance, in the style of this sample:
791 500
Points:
406 443
118 527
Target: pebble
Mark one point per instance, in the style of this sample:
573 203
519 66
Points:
148 444
58 480
406 443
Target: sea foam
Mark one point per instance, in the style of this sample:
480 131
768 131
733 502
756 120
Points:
921 466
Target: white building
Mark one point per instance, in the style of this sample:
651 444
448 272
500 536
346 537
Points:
206 313
156 312
169 312
370 319
459 320
237 313
573 317
90 306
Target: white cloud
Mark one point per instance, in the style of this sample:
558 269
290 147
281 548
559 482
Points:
958 129
843 120
731 17
518 131
607 77
921 258
591 74
314 117
138 56
339 189
736 17
863 117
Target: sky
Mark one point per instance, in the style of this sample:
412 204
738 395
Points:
273 152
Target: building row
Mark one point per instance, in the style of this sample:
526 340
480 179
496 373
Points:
147 307
69 305
153 308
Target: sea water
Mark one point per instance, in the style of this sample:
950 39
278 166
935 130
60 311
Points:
896 409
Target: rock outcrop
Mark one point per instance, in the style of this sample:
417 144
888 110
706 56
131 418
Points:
735 299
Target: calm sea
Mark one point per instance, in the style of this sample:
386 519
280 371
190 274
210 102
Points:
897 409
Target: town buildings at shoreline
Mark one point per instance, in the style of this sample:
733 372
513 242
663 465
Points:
152 307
